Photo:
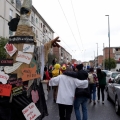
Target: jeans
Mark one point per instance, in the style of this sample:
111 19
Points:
93 92
102 88
83 102
65 111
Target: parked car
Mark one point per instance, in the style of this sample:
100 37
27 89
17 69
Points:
113 93
110 77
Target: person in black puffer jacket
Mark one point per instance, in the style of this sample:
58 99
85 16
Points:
81 95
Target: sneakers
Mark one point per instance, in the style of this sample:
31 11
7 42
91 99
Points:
102 102
98 101
94 103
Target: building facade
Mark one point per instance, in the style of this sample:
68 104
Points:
62 55
10 9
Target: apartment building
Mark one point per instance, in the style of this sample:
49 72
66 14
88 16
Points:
62 55
11 9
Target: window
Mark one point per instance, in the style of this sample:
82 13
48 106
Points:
41 25
10 14
32 19
36 34
36 20
18 4
10 18
12 1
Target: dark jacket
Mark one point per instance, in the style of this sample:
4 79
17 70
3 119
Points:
81 75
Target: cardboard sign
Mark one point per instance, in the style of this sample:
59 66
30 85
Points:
10 69
5 90
28 48
6 62
10 49
31 112
29 74
14 81
23 57
3 77
17 91
21 39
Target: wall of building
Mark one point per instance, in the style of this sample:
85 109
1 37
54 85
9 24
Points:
42 35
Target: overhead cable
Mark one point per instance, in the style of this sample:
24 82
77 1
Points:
69 24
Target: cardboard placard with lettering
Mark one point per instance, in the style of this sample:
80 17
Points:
5 90
10 49
23 57
3 77
10 69
29 74
17 91
21 39
28 48
14 81
6 62
31 112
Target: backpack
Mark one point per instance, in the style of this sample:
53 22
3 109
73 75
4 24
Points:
91 78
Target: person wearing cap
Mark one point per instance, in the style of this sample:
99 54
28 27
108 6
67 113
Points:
55 73
81 94
66 90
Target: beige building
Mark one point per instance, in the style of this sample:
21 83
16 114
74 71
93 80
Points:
11 9
62 55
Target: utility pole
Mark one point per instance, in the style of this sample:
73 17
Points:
97 55
103 58
109 38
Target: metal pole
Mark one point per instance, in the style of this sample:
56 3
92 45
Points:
103 58
109 38
97 55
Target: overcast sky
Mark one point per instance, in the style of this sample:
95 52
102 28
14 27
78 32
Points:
81 24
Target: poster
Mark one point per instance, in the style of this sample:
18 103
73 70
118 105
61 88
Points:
21 39
23 57
5 90
29 74
6 62
10 69
28 48
3 77
10 49
31 112
14 81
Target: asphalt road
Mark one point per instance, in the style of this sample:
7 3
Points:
95 112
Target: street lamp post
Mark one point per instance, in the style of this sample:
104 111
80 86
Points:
109 38
97 56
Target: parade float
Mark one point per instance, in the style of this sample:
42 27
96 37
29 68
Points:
21 92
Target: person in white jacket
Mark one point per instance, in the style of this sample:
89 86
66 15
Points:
66 91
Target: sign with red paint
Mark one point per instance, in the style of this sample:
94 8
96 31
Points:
23 57
6 62
5 90
31 112
10 49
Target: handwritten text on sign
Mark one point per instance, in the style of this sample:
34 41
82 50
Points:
5 90
6 62
31 112
21 39
24 57
3 77
29 74
28 48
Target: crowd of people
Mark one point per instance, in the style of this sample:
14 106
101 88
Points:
73 87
